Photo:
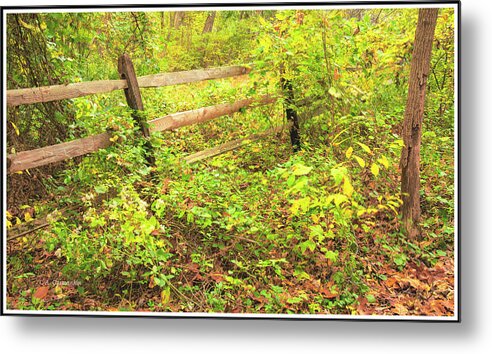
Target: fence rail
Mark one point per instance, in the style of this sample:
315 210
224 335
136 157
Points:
60 92
234 144
180 119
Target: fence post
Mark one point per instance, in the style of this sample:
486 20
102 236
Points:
291 114
134 100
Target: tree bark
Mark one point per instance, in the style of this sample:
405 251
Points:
412 125
209 22
178 19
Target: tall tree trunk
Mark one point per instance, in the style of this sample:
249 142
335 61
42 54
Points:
209 22
163 20
412 125
178 19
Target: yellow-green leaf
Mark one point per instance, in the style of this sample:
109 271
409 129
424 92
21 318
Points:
15 128
165 295
349 152
365 148
27 216
360 161
348 190
339 199
301 170
26 25
375 169
302 204
383 161
334 92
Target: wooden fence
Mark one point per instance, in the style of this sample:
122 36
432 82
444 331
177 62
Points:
132 84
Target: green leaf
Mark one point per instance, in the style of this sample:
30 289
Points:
303 181
400 259
291 180
370 298
331 255
302 204
339 199
301 275
338 174
148 226
441 253
97 222
365 147
361 162
375 169
162 255
301 170
334 92
307 244
316 231
101 189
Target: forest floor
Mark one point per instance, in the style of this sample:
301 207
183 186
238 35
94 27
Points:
241 272
416 290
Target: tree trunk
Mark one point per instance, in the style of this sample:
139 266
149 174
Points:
163 20
209 22
178 19
412 125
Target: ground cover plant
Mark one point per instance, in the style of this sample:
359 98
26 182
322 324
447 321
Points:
261 229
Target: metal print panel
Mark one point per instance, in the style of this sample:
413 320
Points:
289 161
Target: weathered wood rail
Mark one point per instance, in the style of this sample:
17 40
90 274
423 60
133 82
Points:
181 119
80 89
234 144
54 153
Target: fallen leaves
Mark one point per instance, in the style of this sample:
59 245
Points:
416 290
41 292
217 277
